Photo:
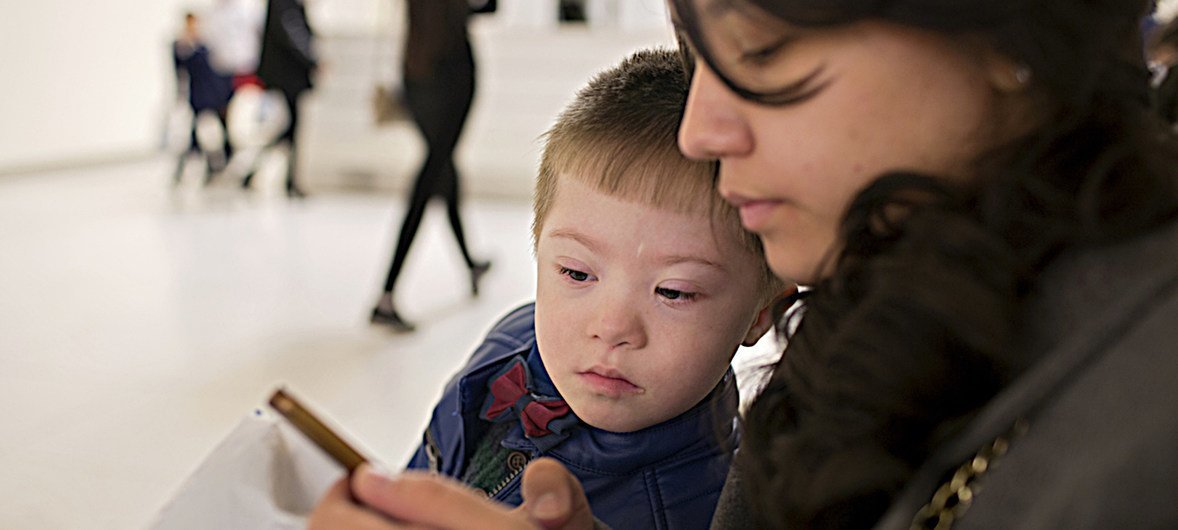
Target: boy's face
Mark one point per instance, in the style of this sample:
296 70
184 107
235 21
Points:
639 311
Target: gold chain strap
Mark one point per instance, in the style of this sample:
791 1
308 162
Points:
955 496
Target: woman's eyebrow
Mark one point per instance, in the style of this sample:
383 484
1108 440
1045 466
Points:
712 8
717 8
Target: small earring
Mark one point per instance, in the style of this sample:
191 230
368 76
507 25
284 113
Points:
1022 74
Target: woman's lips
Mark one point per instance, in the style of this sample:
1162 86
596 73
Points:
610 384
754 215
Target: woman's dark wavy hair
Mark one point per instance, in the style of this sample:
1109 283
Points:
918 326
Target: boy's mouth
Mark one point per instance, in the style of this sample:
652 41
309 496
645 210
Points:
609 382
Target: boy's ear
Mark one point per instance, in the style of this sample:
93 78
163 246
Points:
760 325
769 315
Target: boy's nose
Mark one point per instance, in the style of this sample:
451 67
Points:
618 324
712 128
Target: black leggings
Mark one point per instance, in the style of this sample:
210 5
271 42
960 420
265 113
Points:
439 106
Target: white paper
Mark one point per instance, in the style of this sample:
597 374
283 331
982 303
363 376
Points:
264 474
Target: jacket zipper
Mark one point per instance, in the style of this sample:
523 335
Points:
432 452
507 481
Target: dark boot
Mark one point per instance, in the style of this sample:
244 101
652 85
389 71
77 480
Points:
477 270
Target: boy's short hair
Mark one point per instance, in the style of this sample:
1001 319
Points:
620 136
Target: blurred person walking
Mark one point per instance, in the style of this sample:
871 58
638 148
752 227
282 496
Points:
232 30
439 77
208 90
233 33
287 63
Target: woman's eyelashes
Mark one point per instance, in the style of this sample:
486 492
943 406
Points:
772 72
795 92
763 55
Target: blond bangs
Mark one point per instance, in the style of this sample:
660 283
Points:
620 137
643 172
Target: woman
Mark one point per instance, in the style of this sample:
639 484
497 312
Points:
984 207
439 88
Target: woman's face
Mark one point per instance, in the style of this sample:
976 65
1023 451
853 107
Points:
860 100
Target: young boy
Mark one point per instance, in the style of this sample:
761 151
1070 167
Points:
646 287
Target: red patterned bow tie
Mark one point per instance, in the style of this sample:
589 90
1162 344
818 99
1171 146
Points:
510 392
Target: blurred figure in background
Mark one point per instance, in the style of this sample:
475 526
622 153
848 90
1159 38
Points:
287 63
207 91
233 32
439 76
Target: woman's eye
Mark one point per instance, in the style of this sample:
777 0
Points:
673 294
763 54
574 274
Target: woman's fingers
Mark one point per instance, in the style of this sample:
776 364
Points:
432 501
337 510
553 497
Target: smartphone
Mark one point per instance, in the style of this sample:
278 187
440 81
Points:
306 422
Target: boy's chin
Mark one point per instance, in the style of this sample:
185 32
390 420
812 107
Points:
617 418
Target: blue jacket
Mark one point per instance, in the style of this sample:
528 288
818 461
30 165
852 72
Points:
667 476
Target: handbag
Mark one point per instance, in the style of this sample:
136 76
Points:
387 100
388 105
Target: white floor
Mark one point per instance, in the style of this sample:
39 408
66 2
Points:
140 323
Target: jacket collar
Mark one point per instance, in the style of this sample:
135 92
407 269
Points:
710 423
706 426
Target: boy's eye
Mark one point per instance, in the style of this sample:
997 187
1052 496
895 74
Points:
672 294
575 275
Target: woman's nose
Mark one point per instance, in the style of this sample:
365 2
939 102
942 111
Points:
712 128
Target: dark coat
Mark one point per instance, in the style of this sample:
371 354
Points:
288 52
666 476
1100 406
436 34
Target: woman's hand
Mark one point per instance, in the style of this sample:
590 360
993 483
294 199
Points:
553 500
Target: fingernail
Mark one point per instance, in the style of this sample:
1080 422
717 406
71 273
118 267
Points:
548 506
372 475
378 469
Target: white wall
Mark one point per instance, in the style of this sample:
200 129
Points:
83 80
